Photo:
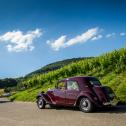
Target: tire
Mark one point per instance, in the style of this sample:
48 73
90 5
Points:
41 103
86 105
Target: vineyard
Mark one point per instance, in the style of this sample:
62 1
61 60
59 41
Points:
110 68
55 66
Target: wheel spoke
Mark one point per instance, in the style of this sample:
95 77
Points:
40 103
85 105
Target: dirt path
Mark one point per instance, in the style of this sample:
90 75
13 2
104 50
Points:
27 114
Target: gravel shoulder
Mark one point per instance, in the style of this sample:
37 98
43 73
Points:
27 114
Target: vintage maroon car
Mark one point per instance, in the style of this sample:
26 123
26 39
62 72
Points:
84 92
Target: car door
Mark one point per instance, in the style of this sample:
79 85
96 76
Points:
72 92
59 93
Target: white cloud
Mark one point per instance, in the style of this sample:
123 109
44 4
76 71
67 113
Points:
84 37
110 35
17 41
122 34
97 37
57 44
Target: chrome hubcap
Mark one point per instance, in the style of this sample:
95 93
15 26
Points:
85 105
40 103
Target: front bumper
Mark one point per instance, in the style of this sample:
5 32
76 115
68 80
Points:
113 102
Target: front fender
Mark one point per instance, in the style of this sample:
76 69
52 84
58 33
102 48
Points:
44 96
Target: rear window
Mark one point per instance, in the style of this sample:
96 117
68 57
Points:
94 81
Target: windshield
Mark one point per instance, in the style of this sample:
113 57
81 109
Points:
94 81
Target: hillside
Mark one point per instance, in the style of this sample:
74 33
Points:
110 68
10 83
55 66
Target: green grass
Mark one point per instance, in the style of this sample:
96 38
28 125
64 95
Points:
109 68
30 94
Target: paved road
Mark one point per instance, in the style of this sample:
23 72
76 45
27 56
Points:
27 114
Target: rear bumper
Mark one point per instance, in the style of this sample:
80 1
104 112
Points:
113 102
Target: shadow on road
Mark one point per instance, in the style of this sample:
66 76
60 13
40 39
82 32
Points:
118 109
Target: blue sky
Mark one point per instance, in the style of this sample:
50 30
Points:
34 33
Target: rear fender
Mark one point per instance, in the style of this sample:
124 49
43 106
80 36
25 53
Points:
92 98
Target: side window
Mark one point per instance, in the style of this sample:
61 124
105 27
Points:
61 85
72 85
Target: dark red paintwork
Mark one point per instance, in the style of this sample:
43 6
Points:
99 95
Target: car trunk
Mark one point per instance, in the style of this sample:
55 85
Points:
104 93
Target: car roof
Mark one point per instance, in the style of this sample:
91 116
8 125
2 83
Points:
77 77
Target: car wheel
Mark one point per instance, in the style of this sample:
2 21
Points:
86 105
40 103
